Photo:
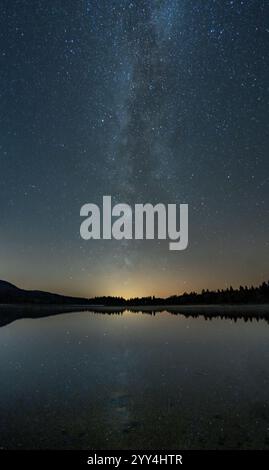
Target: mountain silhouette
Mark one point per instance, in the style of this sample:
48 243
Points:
11 294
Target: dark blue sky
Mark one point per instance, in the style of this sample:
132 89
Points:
149 101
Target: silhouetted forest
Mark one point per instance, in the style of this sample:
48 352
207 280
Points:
243 295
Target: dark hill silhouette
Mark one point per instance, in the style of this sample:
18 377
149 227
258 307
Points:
10 294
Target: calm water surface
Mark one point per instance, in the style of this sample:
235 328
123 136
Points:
134 380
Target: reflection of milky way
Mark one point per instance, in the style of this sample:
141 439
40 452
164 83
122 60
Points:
149 101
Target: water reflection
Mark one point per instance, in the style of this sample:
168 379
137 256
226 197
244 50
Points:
247 313
122 379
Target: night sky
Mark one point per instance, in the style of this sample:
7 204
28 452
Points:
147 101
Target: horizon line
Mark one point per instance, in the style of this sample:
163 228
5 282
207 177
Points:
152 296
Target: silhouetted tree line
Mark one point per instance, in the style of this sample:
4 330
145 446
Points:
242 295
10 294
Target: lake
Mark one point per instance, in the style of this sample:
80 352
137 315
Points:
133 380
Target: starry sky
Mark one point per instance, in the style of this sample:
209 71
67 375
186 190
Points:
147 101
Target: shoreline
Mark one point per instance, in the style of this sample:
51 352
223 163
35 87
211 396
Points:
135 307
